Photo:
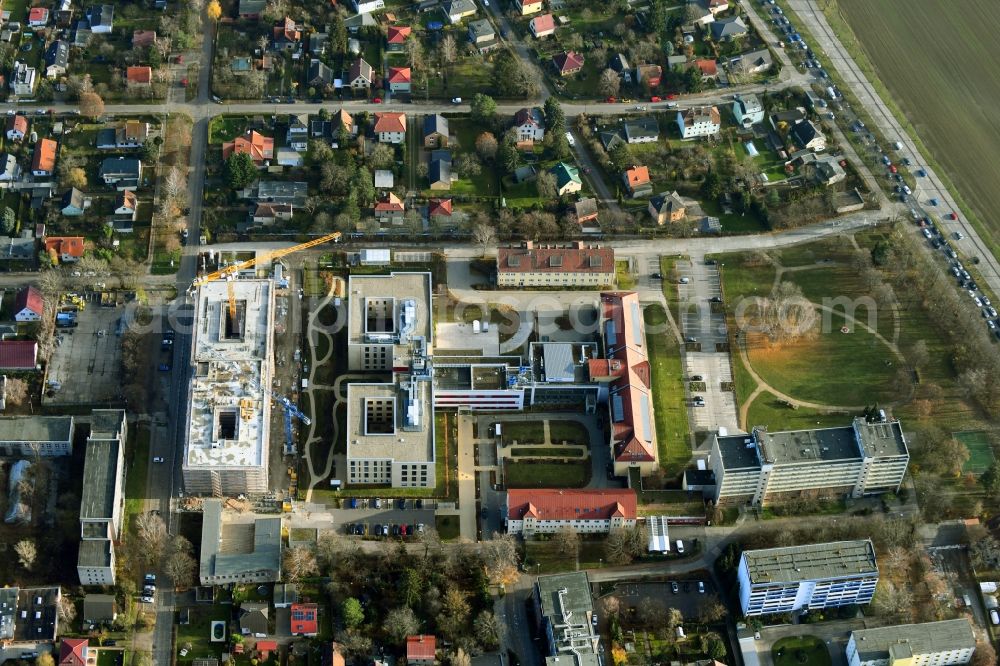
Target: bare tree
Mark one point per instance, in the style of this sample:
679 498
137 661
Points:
545 183
299 563
180 565
985 654
91 105
400 623
610 83
15 392
66 610
484 236
567 542
624 544
486 146
414 53
152 537
448 50
499 554
460 658
488 628
174 184
27 553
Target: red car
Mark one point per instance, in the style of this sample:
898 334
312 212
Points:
654 98
611 100
377 100
952 216
892 168
671 96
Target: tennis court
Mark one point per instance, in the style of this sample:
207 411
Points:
980 452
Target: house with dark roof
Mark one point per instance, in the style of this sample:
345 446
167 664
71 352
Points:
143 39
482 35
585 210
753 62
99 609
667 207
590 511
74 203
287 35
101 19
641 130
251 9
728 29
360 76
529 123
28 305
456 10
253 619
223 562
126 205
9 168
808 136
435 131
747 110
56 59
439 170
124 173
319 75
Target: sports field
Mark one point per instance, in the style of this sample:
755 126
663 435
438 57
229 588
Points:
980 452
938 61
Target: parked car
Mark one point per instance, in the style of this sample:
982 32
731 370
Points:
157 459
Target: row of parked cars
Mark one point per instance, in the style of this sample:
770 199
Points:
384 530
378 503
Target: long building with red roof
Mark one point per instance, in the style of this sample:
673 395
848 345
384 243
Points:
532 511
625 368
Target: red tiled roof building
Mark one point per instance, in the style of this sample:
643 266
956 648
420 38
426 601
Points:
531 511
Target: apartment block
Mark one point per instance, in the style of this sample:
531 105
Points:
809 577
565 611
586 511
556 265
857 460
928 644
102 500
31 436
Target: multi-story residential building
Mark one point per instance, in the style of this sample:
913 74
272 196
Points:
699 121
29 615
390 425
23 79
748 110
529 123
857 460
809 577
102 499
31 436
572 265
227 560
390 127
586 511
565 615
928 644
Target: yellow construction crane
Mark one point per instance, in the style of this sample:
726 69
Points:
229 272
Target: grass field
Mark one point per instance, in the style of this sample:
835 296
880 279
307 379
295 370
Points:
673 429
930 60
548 475
551 451
800 651
980 451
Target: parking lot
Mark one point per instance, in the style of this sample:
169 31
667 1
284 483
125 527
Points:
86 360
389 514
687 599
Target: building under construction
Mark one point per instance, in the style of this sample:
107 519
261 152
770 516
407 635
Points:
226 448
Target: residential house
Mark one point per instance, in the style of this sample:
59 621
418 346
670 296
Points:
9 168
320 129
23 79
716 6
525 174
74 203
253 619
258 146
390 127
126 204
320 76
101 19
728 29
753 62
99 609
781 120
389 208
439 170
360 75
143 39
268 213
38 17
384 179
637 181
573 264
699 121
43 159
396 36
526 7
277 191
567 178
56 59
667 207
610 140
620 65
421 650
826 170
529 124
651 75
675 61
18 355
399 79
367 6
297 136
304 619
439 208
709 68
456 10
73 652
289 157
64 249
698 13
287 35
535 511
435 131
28 305
64 16
585 210
356 23
941 643
567 63
641 130
139 75
317 43
808 136
251 9
17 127
748 110
542 26
131 134
482 35
343 120
102 502
124 173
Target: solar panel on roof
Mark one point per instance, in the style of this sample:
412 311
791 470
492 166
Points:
617 409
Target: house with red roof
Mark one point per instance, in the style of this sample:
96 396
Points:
574 264
139 75
64 248
38 17
305 619
265 648
29 305
390 127
73 652
17 127
142 39
526 7
709 68
286 34
389 209
590 510
43 159
396 36
542 26
637 181
399 79
254 144
625 369
18 355
420 650
439 208
567 63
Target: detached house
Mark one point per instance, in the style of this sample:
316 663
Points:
268 213
456 10
586 511
320 75
399 79
389 209
390 127
56 59
753 62
439 208
439 170
124 173
17 127
482 35
23 79
286 35
101 19
38 17
43 159
139 75
421 650
367 6
526 7
396 36
807 135
542 26
9 169
258 146
435 131
66 249
251 9
529 124
699 121
74 203
641 130
567 178
126 205
132 134
748 110
29 305
728 29
143 39
637 181
651 75
360 75
567 63
667 207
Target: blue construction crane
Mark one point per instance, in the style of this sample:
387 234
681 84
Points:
290 411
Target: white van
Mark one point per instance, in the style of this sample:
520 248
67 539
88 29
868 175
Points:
680 546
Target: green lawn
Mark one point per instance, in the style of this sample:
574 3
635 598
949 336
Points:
555 451
197 634
137 466
523 432
800 651
980 451
548 475
447 527
226 128
568 431
625 279
673 432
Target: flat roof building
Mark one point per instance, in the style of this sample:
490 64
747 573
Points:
36 435
565 610
857 460
102 500
238 548
226 452
808 577
938 643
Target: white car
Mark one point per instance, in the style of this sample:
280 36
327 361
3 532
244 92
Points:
146 599
157 459
184 652
570 140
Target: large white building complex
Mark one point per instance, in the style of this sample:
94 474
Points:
860 459
810 577
102 500
565 615
390 423
226 450
928 644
